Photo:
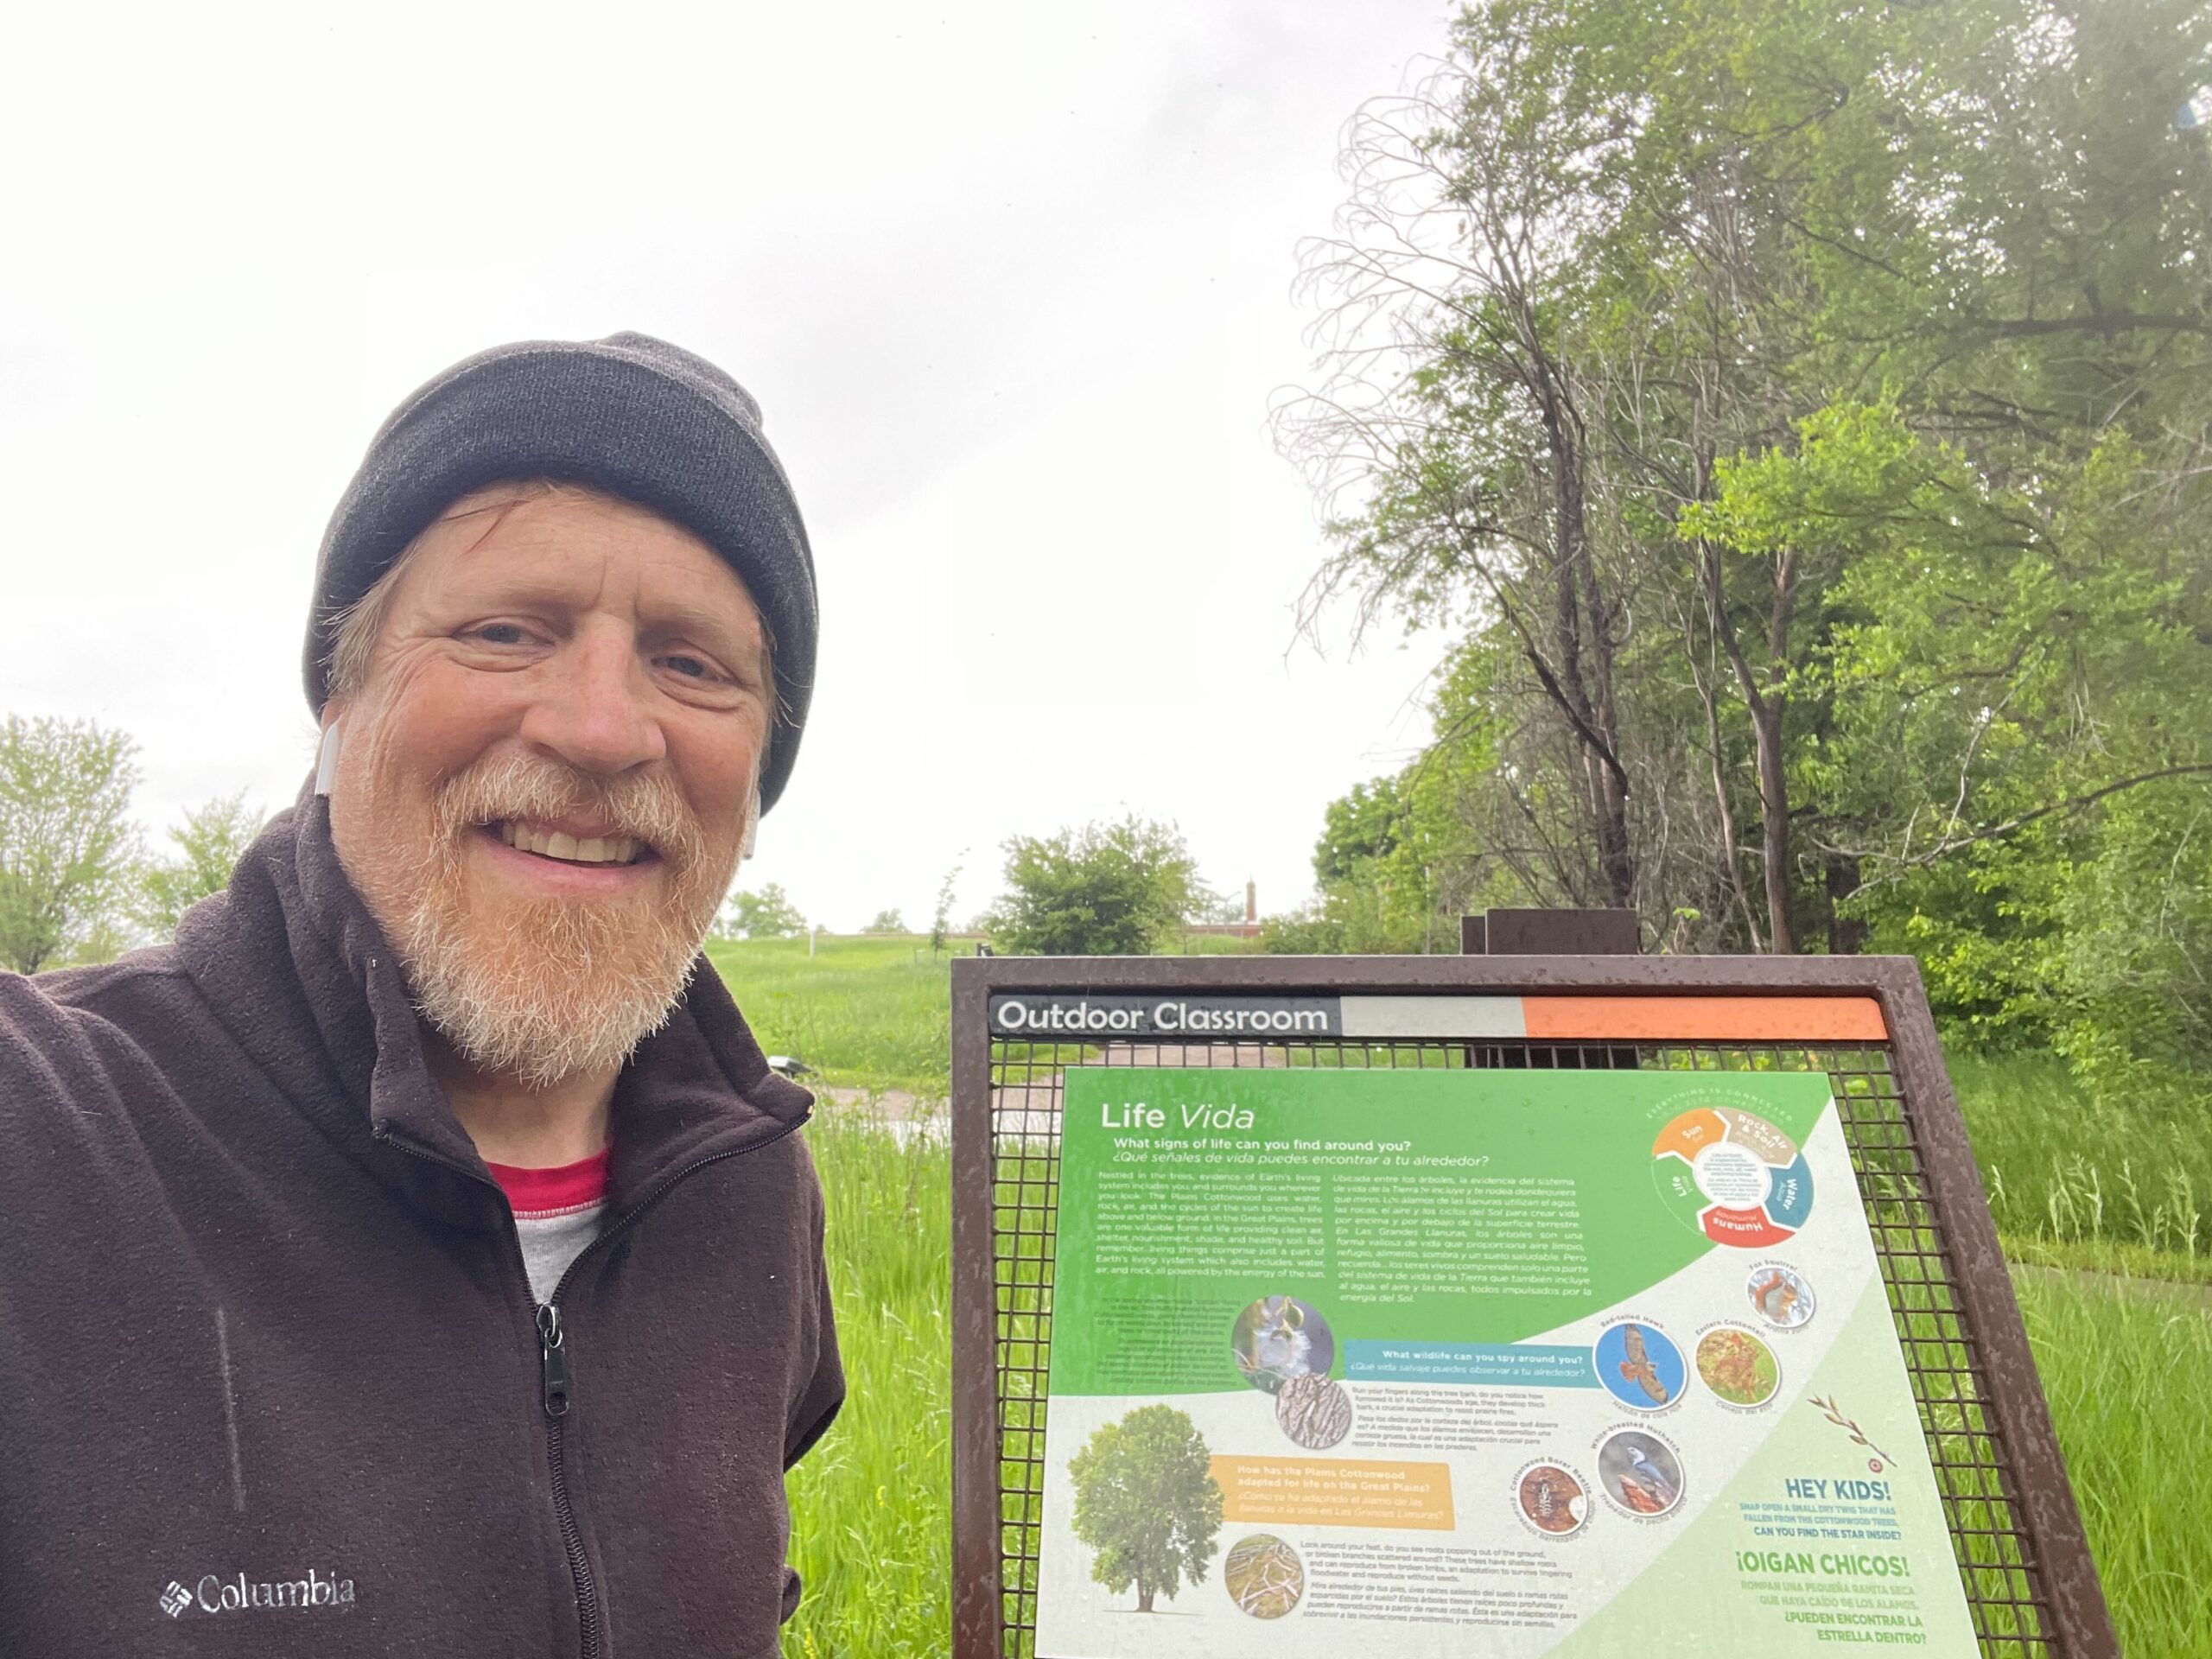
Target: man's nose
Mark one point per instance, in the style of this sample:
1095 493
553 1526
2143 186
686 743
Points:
596 712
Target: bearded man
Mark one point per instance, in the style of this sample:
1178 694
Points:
417 1256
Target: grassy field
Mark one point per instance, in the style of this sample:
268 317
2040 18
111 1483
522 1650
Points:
871 1532
868 1012
2125 1363
2120 1187
2124 1366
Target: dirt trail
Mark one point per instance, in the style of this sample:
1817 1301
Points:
896 1103
2125 1284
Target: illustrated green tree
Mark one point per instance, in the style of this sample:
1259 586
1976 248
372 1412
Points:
767 914
68 845
209 843
1117 889
1146 1502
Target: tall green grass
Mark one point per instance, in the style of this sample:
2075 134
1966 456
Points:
2126 1366
2076 1180
871 1528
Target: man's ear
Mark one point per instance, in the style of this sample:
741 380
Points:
326 758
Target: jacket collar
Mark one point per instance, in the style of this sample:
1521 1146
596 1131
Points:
301 975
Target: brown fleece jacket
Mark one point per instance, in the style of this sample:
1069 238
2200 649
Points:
272 1380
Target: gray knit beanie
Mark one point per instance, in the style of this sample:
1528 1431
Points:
629 415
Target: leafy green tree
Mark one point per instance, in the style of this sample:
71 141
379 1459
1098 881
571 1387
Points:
1146 1502
1308 931
209 843
2052 871
887 921
1369 894
1801 415
1358 829
1116 889
1400 859
67 846
767 914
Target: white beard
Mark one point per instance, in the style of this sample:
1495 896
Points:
545 989
543 997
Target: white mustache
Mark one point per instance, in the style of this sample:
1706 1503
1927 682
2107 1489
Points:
647 808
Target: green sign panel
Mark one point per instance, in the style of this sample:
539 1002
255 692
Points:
1475 1362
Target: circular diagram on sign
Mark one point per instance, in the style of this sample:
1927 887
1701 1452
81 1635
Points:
1640 1365
1732 1176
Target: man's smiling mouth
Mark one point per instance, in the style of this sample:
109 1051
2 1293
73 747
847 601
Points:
549 842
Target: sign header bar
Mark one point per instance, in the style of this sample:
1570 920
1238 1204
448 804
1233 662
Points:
1163 1013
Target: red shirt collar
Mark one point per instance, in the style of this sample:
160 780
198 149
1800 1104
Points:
569 1187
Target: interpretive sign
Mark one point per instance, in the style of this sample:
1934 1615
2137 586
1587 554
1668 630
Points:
1434 1363
1502 1304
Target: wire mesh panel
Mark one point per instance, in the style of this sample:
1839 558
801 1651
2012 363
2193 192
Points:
1979 1474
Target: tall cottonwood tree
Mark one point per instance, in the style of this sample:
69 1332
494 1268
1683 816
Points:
1803 412
1469 200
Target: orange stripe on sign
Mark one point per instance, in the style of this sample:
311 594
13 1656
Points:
1705 1019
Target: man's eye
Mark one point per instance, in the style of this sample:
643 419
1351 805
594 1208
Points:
499 633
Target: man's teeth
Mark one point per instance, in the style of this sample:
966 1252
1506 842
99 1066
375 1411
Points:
553 843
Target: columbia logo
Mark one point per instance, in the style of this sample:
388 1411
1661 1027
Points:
237 1593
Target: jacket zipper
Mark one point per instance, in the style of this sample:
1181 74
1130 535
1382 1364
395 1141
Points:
554 1362
557 1385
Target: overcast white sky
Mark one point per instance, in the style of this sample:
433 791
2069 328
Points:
1010 283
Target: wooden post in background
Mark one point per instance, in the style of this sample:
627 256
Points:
1551 933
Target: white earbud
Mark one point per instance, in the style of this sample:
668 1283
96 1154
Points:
326 760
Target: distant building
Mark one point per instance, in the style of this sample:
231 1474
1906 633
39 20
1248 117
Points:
1247 929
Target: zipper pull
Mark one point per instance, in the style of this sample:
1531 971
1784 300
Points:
557 1384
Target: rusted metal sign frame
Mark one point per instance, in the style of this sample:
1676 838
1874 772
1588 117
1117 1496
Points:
2032 1474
